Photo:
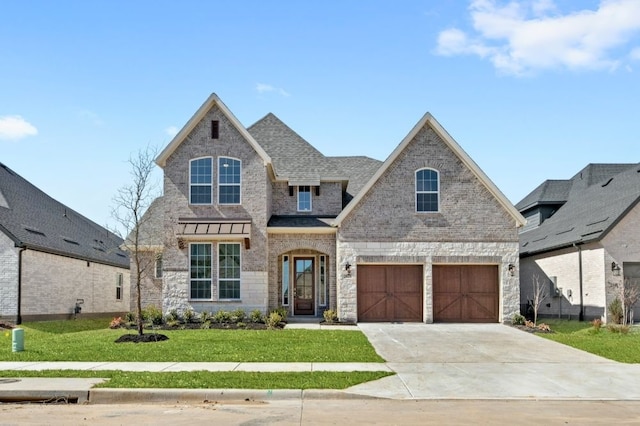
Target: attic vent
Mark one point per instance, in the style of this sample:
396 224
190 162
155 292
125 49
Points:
70 241
34 231
215 129
98 241
591 233
98 248
121 255
540 239
564 232
607 182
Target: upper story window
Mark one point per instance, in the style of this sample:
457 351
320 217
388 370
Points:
229 173
200 181
304 198
427 190
119 282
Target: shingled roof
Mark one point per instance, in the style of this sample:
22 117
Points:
594 201
36 221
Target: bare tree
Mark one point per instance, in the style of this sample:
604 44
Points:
130 203
538 296
629 294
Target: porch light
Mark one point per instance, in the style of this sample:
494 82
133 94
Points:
347 268
512 269
615 268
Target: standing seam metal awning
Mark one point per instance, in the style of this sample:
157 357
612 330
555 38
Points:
210 229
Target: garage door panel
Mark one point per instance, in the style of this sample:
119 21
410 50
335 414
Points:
390 292
465 293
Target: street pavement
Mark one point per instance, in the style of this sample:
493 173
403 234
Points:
431 362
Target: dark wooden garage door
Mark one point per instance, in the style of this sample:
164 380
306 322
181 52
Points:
390 292
466 293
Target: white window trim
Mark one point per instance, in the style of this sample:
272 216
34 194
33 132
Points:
239 184
288 266
322 283
437 192
310 199
201 184
155 267
210 279
239 280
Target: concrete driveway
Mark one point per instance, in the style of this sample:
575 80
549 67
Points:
487 361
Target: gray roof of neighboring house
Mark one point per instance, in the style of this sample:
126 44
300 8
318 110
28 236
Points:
598 197
549 192
36 221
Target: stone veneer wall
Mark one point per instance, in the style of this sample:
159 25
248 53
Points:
427 254
300 244
8 279
51 284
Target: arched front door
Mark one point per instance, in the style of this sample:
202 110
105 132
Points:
304 273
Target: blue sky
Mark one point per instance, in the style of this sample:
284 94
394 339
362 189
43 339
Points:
532 90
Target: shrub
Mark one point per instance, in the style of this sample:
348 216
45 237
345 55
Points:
172 316
518 319
618 328
222 317
189 315
282 311
616 312
153 315
239 315
205 325
529 324
543 327
116 322
174 323
129 317
330 316
256 316
274 320
241 324
205 316
597 324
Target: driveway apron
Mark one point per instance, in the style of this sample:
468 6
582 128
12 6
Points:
490 361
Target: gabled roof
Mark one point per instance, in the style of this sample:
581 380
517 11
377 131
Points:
429 120
36 221
212 101
600 196
552 192
358 170
150 236
294 159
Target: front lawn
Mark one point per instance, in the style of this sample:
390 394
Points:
214 380
581 335
91 340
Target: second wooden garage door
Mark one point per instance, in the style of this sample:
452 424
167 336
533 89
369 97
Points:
465 293
390 292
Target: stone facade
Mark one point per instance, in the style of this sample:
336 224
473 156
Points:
9 267
52 284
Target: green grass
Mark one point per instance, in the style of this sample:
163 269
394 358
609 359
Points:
581 335
214 380
89 340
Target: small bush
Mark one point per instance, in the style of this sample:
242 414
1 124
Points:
597 324
274 320
256 316
116 322
130 317
222 317
189 315
241 324
173 323
206 325
282 311
239 315
330 316
618 328
518 319
616 311
172 316
529 324
205 316
153 315
543 327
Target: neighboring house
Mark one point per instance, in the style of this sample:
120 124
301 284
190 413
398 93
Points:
257 218
581 240
52 259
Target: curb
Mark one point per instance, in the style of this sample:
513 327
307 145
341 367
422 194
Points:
142 396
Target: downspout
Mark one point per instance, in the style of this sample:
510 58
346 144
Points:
581 315
19 313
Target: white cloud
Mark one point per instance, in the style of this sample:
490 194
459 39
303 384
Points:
171 131
265 88
14 127
522 37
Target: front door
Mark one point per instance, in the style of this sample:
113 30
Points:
304 286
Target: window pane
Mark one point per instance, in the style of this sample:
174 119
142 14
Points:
229 194
285 280
201 170
200 271
201 194
304 198
427 202
229 181
426 180
229 271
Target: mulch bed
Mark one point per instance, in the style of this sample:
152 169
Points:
531 329
141 338
6 326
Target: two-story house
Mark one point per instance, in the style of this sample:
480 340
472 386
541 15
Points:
257 218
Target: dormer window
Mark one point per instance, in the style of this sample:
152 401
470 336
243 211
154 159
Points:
427 191
304 198
229 176
200 181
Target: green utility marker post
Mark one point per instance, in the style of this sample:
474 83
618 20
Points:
18 339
